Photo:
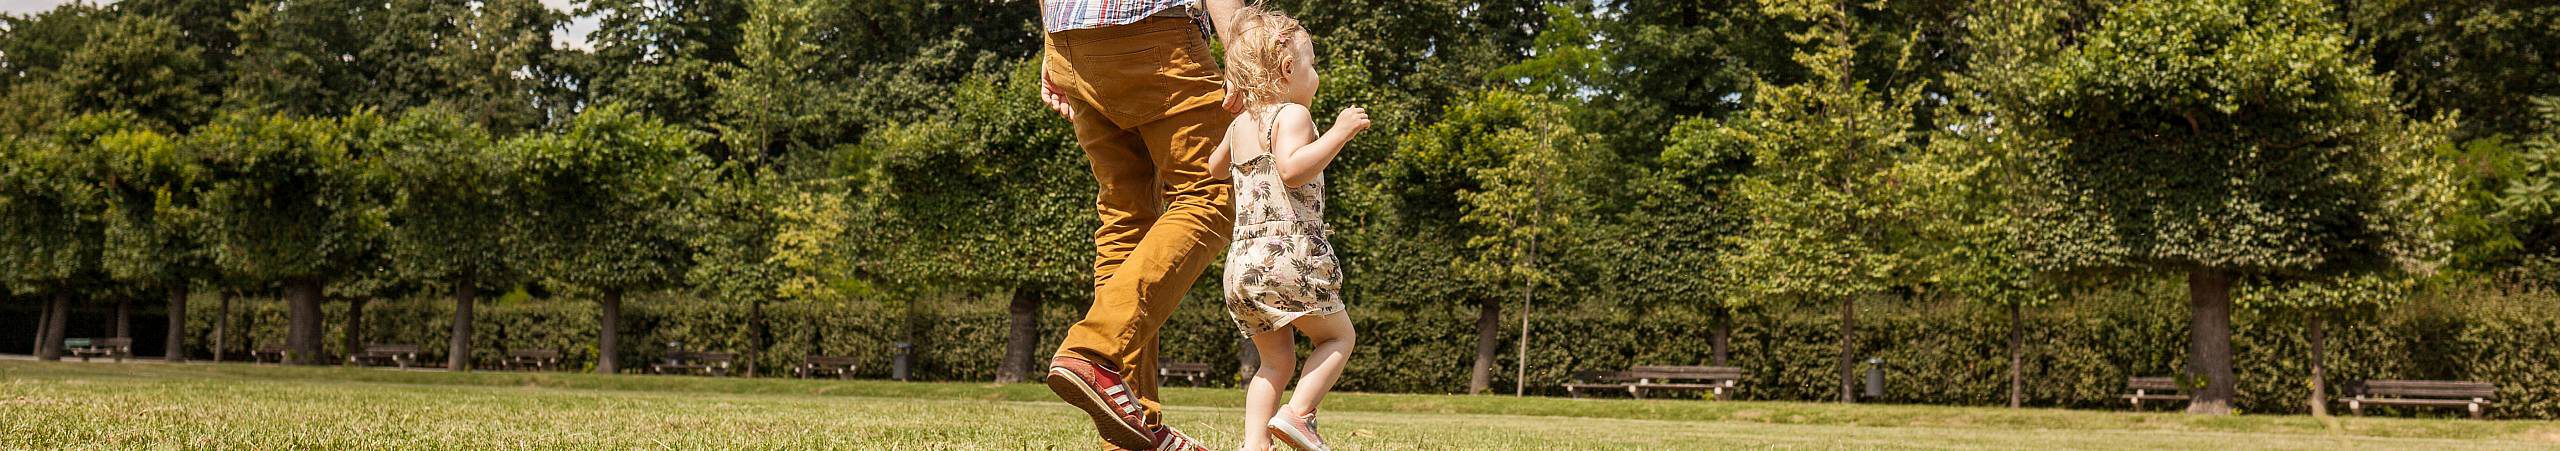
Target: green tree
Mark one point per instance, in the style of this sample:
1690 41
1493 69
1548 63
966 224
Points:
2220 139
52 230
604 208
289 60
2483 58
141 64
155 234
205 25
1530 206
1825 216
734 230
658 58
1498 171
488 62
969 199
1684 206
2314 301
291 203
765 95
451 193
39 43
2530 201
1686 58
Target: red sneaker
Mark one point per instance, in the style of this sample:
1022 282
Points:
1168 439
1105 396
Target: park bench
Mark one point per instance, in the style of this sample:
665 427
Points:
401 356
84 348
2471 396
840 367
1722 381
267 354
714 364
1189 372
2152 389
533 359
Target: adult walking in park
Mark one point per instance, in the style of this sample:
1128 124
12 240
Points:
1138 81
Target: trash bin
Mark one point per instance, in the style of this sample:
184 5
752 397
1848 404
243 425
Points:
1875 377
898 364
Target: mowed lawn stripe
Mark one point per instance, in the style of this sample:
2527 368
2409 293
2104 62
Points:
122 406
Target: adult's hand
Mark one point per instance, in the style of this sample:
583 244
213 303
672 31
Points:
1235 99
1222 15
1049 95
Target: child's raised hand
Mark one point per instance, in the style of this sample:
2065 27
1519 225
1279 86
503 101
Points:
1356 118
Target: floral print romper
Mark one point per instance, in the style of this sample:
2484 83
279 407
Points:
1279 268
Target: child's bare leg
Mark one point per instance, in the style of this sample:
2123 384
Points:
1279 350
1333 337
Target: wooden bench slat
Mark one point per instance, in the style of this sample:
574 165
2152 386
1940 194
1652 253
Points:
1722 380
2464 394
2424 402
1663 386
2151 383
830 360
2423 383
2158 397
2430 389
710 363
2473 397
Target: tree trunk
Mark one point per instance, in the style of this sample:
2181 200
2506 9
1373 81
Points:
1721 342
1767 372
2209 348
353 340
221 326
1848 349
1520 367
457 355
1022 336
609 338
44 326
2017 354
2319 367
49 348
177 346
124 317
758 336
1488 330
302 325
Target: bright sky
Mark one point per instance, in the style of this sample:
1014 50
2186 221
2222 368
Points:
575 36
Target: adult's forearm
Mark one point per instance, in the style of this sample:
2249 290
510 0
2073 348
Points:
1222 15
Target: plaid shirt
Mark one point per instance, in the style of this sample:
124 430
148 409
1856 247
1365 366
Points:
1063 15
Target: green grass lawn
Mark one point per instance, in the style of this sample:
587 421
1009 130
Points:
123 406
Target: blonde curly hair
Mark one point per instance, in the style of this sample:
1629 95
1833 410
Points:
1263 51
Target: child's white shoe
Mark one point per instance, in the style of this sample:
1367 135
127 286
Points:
1299 431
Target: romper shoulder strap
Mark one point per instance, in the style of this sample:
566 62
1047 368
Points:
1271 128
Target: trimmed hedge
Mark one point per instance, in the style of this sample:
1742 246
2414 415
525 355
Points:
1935 352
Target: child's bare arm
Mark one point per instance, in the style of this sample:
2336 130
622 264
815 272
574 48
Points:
1308 154
1218 158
